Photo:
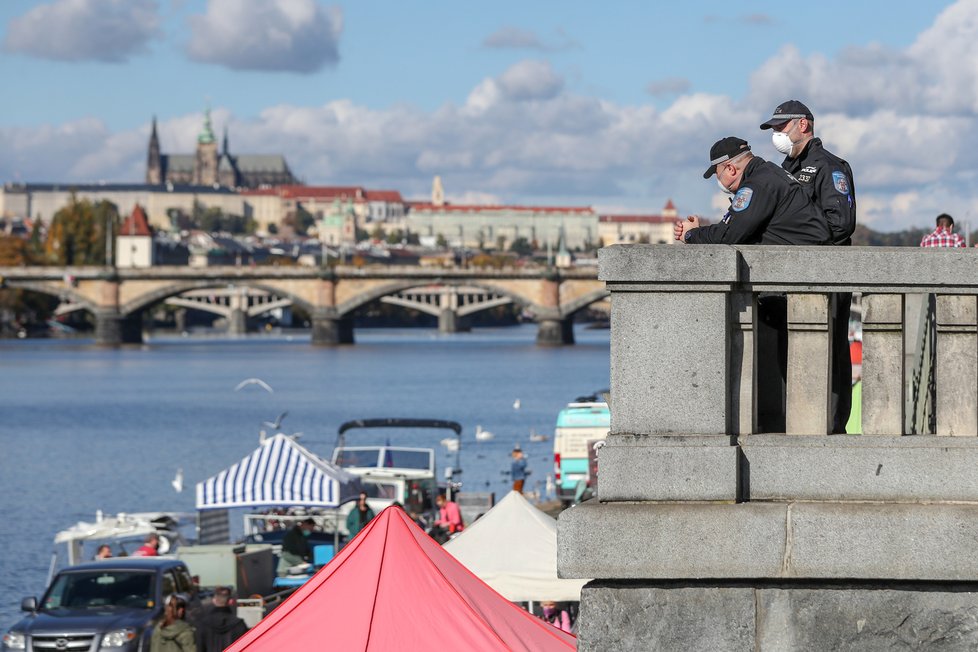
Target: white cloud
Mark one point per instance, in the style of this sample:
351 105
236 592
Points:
110 31
515 38
273 35
524 137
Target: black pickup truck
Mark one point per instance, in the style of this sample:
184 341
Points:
105 605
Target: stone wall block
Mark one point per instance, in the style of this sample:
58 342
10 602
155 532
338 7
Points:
883 360
957 366
669 363
809 362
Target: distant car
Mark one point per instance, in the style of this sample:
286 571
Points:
103 605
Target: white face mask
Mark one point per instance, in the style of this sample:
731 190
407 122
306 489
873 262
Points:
723 187
782 141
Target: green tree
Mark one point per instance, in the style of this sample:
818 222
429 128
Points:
77 234
377 233
441 242
395 236
521 246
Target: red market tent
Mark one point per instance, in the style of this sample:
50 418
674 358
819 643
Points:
394 588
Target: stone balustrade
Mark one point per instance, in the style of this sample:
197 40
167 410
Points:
707 533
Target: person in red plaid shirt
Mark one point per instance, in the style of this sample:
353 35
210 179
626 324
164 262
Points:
943 235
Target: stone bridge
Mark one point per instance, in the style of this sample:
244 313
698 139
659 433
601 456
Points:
118 297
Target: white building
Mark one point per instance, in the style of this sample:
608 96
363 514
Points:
134 242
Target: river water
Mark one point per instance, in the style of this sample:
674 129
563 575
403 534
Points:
85 429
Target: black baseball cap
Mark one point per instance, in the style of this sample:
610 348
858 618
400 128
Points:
724 150
790 110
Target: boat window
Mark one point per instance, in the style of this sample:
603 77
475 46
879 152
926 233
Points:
185 583
169 584
380 490
357 458
404 459
100 589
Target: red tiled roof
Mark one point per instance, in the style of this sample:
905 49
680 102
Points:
136 223
392 196
479 208
321 192
639 219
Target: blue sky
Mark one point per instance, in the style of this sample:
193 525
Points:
612 105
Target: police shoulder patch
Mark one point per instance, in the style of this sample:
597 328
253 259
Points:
840 182
742 199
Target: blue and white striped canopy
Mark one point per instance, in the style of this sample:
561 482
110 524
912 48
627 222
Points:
280 473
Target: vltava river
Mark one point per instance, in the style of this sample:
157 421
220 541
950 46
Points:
85 429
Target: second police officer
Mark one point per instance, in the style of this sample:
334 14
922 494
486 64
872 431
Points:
827 179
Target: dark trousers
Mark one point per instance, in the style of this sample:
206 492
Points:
772 347
841 364
772 357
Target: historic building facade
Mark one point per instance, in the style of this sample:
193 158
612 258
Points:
208 166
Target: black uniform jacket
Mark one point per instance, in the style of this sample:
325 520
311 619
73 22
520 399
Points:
828 181
769 207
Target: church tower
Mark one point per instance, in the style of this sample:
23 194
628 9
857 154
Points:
154 167
205 163
437 192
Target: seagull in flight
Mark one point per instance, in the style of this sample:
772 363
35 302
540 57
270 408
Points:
254 381
275 425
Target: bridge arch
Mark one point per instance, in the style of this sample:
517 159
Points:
346 308
147 299
580 303
56 290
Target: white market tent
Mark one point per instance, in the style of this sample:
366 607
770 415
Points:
513 549
280 472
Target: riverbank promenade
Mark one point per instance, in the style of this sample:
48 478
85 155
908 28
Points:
708 534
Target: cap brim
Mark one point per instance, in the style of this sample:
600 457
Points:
710 171
775 123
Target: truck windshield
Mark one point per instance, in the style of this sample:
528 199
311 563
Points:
99 589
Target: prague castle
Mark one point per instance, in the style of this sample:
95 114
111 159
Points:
209 167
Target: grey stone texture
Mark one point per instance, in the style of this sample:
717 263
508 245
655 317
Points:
777 618
883 364
849 467
809 362
646 467
668 363
872 541
957 366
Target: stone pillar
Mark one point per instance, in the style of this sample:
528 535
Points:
743 362
448 321
553 329
111 327
883 364
330 330
238 322
555 332
809 364
957 365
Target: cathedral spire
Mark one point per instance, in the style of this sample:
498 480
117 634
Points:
224 144
207 133
154 167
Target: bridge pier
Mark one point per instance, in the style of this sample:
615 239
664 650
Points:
113 329
555 332
450 322
331 330
238 322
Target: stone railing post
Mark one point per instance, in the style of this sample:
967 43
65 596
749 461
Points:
809 362
884 398
743 363
957 367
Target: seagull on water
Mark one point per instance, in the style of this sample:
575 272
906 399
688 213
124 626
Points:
254 381
177 481
516 404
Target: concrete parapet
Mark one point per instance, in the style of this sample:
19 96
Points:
667 468
849 467
873 541
778 617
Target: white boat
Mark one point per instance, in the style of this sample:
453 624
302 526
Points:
122 528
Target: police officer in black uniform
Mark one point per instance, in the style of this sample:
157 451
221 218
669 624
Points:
768 206
828 181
